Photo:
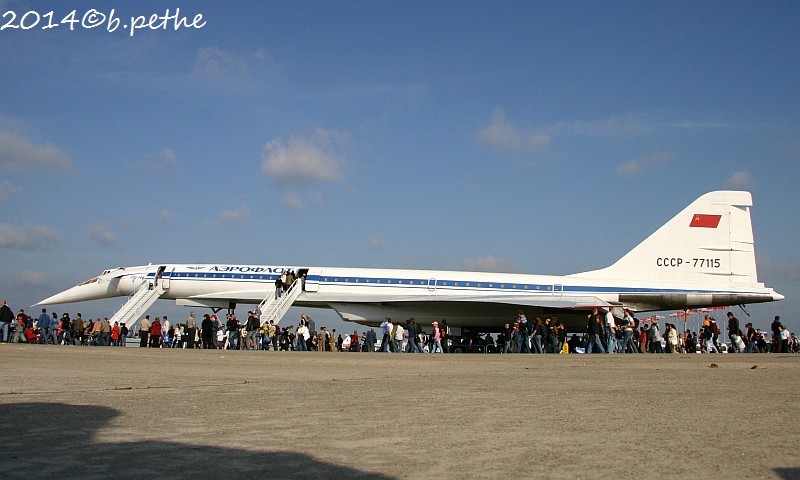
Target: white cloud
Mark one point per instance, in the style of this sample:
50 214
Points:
100 233
128 220
302 200
239 216
22 281
501 134
618 125
294 201
223 67
628 125
636 166
20 154
631 167
236 217
504 135
488 264
168 156
302 160
31 279
739 178
26 237
164 161
6 189
700 124
219 65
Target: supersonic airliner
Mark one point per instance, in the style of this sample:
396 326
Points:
703 257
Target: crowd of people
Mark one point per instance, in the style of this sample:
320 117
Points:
64 330
605 333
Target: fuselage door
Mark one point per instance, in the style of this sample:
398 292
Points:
165 278
432 285
558 290
160 278
313 276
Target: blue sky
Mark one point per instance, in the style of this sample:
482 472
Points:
495 136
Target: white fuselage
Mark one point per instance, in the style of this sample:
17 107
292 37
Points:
703 257
366 296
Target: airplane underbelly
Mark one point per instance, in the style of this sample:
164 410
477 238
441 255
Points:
484 317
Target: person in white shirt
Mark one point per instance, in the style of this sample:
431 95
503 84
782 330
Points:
302 336
628 345
399 333
611 331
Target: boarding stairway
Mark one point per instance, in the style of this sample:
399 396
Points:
272 308
138 302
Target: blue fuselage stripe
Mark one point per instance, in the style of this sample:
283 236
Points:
436 284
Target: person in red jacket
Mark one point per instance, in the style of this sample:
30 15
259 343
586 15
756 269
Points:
155 333
115 334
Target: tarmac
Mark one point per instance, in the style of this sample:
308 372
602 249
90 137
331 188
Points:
102 412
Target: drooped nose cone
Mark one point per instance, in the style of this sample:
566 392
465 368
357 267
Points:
74 294
777 296
90 290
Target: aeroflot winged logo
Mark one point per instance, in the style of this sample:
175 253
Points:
705 221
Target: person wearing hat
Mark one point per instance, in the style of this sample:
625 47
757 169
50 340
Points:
437 338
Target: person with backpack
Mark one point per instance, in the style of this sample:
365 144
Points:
275 334
708 334
19 334
715 337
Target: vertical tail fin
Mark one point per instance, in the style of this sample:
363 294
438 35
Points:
709 242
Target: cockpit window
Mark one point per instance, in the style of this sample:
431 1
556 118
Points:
87 282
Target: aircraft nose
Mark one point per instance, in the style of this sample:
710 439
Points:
91 290
67 296
777 296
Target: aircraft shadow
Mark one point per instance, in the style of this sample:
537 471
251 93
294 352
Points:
788 473
55 440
